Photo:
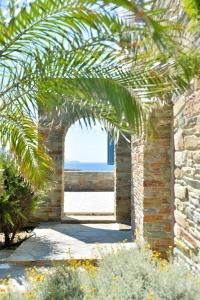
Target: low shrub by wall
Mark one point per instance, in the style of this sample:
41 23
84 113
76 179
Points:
124 275
88 181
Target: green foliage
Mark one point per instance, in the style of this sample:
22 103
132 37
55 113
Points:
137 274
65 284
192 7
127 274
26 31
17 202
86 58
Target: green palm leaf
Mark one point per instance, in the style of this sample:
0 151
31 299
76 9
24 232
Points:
79 56
19 132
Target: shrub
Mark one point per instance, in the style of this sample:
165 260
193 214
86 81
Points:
138 274
60 284
64 283
17 201
129 274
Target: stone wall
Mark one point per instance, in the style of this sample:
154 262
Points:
187 176
137 188
152 183
53 127
123 181
88 181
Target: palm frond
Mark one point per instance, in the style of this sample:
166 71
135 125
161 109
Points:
83 58
20 133
53 22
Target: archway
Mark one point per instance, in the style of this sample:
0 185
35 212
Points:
150 169
53 127
88 177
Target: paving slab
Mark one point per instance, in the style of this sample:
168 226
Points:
55 242
5 253
89 202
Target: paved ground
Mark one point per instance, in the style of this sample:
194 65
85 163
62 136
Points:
55 242
14 271
60 242
89 202
17 275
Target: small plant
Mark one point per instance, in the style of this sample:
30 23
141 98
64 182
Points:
140 274
122 274
17 201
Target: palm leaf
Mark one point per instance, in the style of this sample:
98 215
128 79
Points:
19 132
65 54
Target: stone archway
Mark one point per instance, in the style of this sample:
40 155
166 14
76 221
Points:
154 207
53 127
143 178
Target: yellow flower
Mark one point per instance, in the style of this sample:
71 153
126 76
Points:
150 296
114 278
2 290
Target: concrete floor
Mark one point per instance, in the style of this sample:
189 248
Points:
89 202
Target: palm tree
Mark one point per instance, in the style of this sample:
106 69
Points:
72 55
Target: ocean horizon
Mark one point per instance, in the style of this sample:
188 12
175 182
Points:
87 166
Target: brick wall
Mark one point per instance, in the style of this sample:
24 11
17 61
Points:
152 183
187 176
88 181
123 181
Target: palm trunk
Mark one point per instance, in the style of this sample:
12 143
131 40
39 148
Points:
7 239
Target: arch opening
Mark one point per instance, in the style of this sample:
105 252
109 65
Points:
88 178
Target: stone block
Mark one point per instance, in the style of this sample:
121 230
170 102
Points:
196 156
180 158
195 184
189 212
180 205
177 173
177 230
180 191
188 171
191 142
196 217
180 218
179 105
178 140
189 238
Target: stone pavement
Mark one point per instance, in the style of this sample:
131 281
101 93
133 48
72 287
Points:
89 202
55 242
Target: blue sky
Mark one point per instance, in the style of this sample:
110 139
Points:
86 145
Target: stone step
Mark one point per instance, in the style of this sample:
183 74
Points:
96 214
89 218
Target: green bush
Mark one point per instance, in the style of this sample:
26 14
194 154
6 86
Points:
17 201
62 284
129 274
137 274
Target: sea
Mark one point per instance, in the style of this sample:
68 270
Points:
89 166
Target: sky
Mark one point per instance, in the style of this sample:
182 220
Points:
86 145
